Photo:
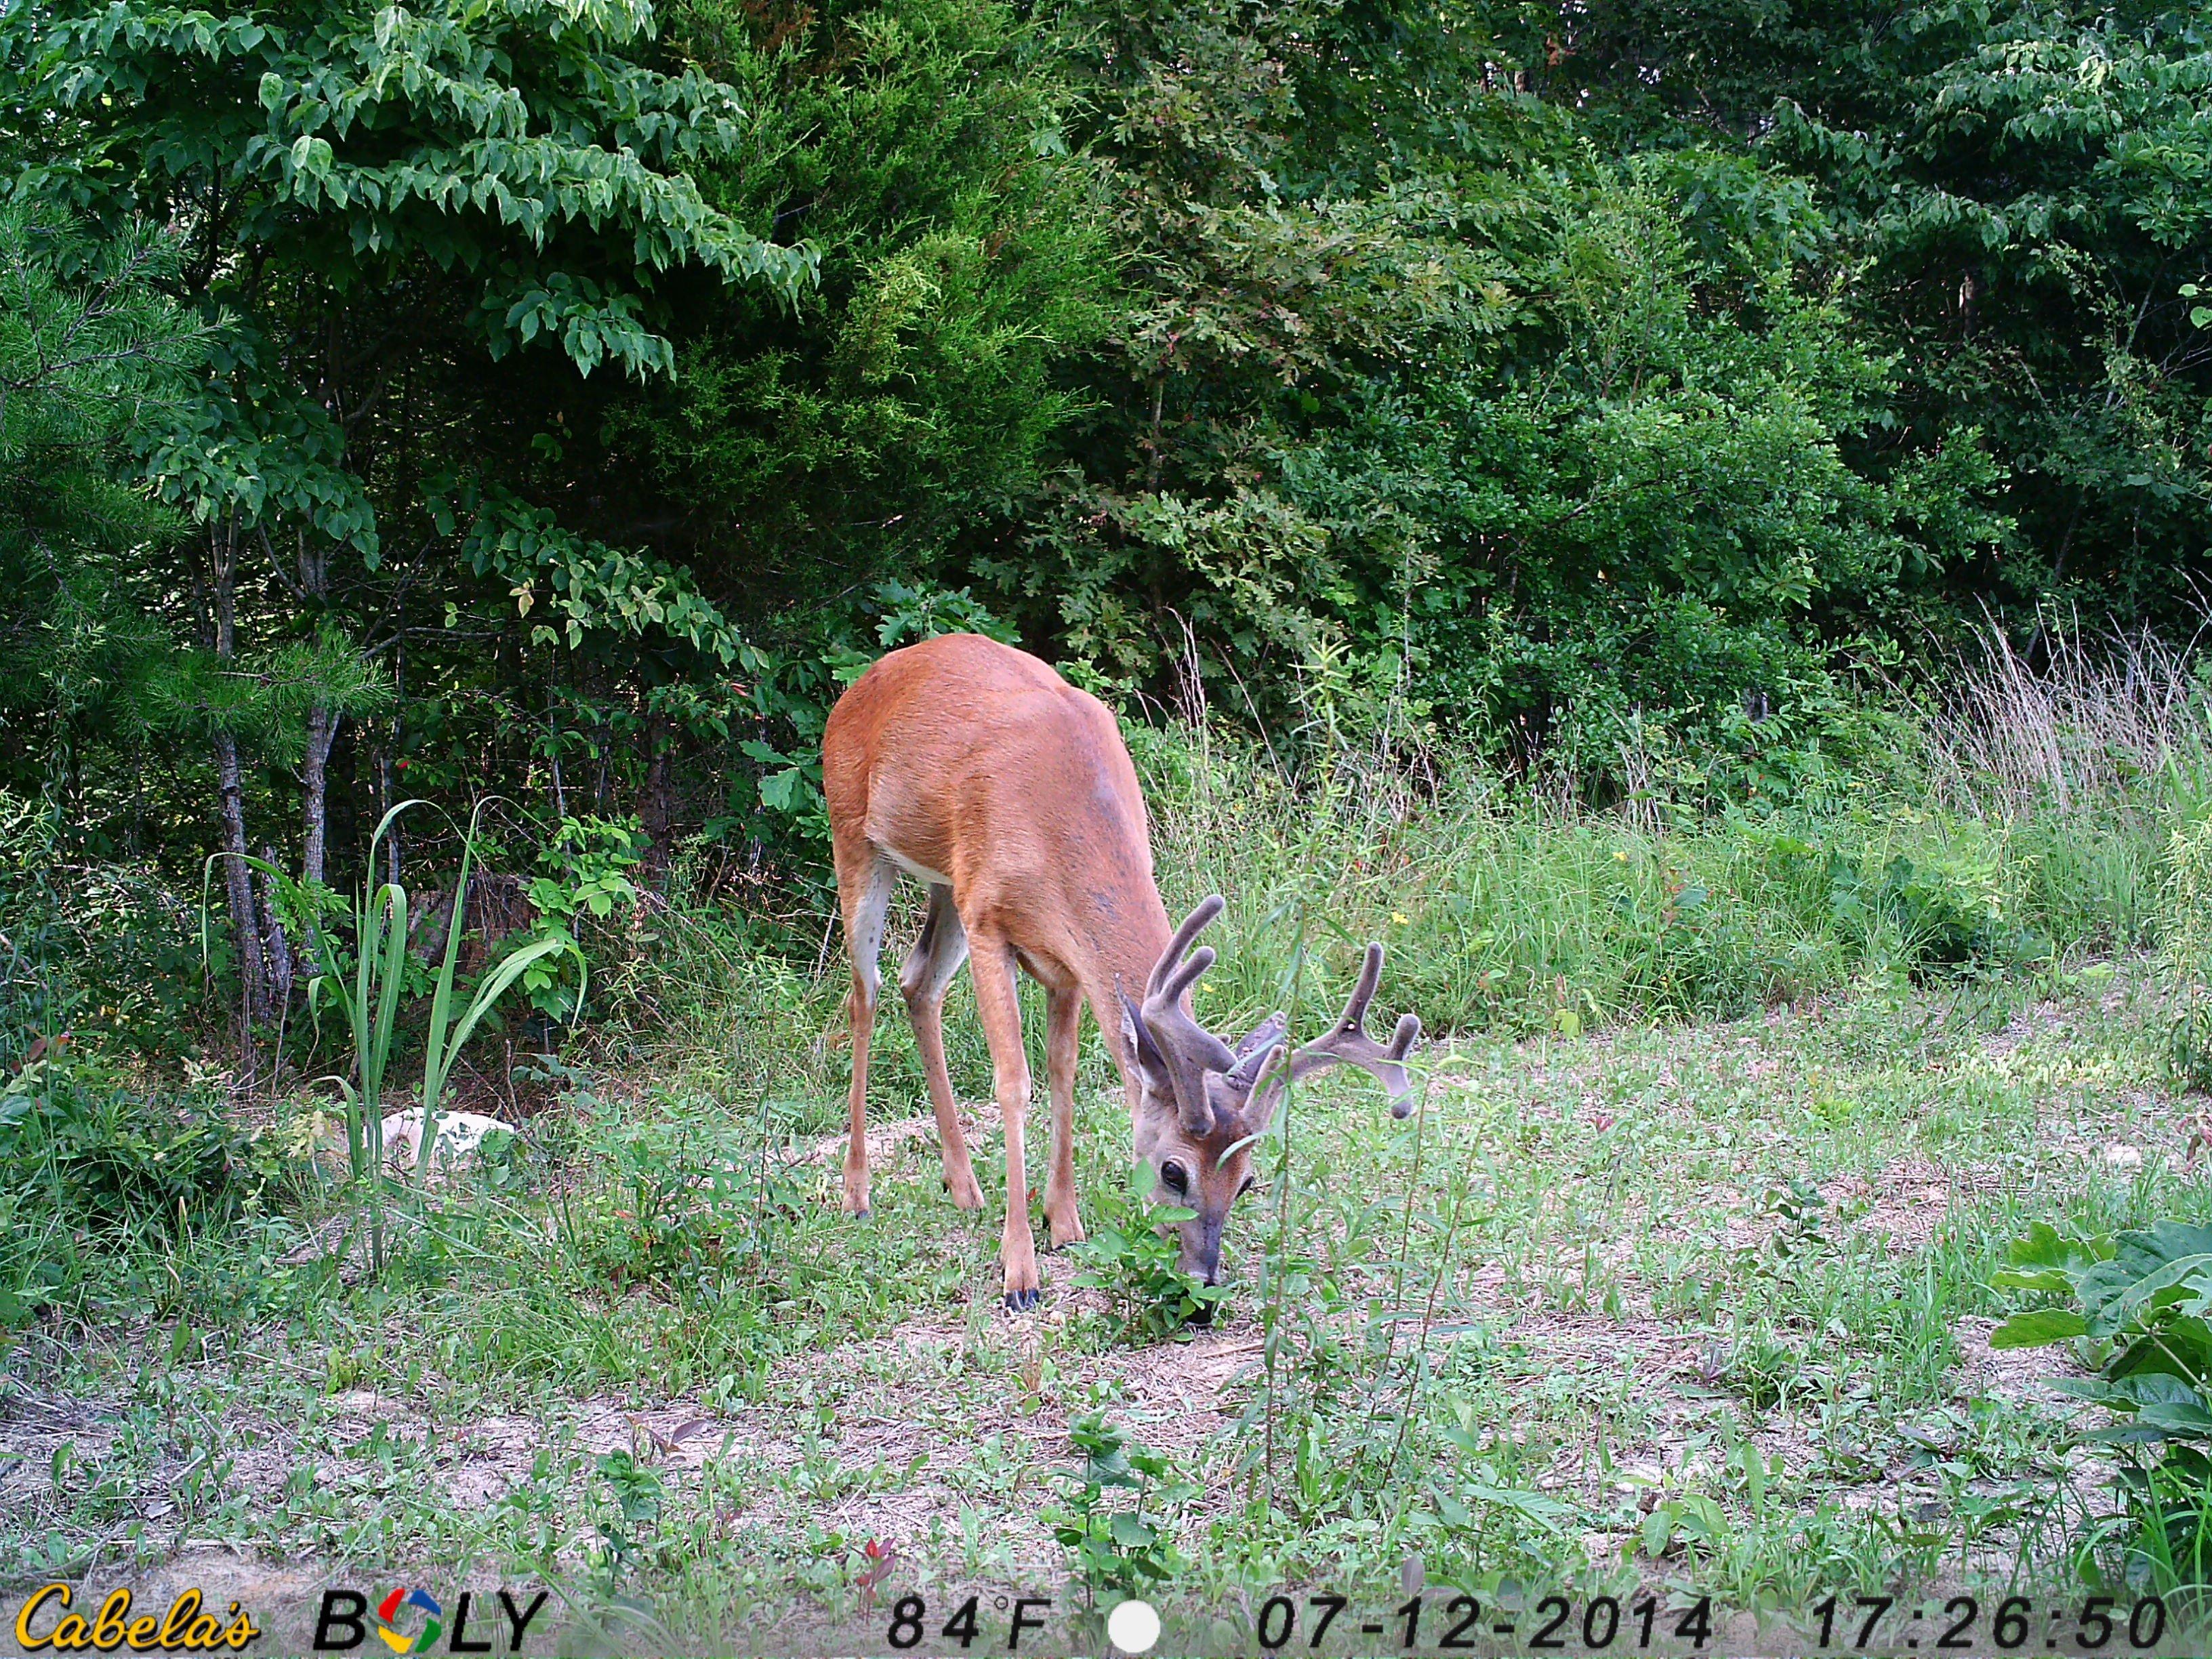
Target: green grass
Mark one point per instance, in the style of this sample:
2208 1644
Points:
1613 1288
1679 1275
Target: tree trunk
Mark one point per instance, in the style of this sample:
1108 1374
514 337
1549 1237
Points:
322 730
553 754
254 993
657 808
253 979
272 926
314 810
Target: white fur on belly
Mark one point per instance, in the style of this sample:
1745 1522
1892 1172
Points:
920 872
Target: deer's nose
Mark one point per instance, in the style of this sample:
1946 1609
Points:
1201 1248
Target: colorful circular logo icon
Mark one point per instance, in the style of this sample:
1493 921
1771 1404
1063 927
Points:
387 1610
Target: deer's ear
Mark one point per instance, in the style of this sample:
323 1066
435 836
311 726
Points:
1253 1052
1261 1038
1144 1053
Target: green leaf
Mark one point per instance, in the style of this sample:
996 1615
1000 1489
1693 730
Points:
2038 1329
1131 1533
312 156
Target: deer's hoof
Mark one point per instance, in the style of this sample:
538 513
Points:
1022 1301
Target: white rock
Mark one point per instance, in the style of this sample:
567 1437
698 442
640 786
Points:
2121 1156
461 1136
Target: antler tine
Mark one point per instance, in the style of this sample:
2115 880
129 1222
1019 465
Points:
1190 1050
1371 977
1258 1045
1178 946
1346 1043
1188 973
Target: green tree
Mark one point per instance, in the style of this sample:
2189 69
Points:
90 349
387 207
921 146
1264 278
1633 511
2032 185
1416 392
830 470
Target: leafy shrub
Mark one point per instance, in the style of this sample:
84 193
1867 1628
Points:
2142 1315
1131 1254
583 877
1948 917
100 947
103 1151
1113 1548
86 1154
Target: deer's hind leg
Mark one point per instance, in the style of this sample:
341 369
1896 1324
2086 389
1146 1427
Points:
864 889
927 975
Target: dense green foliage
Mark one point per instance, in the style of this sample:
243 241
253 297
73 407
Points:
2024 193
1609 496
562 396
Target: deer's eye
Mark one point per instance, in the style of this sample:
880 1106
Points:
1246 1187
1176 1177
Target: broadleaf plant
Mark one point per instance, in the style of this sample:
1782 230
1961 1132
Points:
2140 1323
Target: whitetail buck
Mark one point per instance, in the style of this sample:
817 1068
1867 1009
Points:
976 770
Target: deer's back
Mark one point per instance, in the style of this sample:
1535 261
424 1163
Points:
961 751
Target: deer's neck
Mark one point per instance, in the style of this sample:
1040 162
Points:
1130 953
1126 929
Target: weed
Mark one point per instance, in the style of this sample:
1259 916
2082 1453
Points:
1800 1211
1762 1372
631 1513
1112 1548
678 1208
2141 1320
88 1157
1134 1256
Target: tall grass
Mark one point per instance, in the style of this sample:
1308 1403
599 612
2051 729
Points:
362 967
2028 824
2079 727
2047 799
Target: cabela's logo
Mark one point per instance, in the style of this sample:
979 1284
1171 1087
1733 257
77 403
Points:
185 1628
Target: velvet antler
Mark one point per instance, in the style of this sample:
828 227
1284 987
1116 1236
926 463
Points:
1188 1049
1345 1044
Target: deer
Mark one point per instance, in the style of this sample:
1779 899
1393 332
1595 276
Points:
975 768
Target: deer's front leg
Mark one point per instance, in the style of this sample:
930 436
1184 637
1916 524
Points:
992 968
1063 1031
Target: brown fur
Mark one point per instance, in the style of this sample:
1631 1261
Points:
976 768
976 761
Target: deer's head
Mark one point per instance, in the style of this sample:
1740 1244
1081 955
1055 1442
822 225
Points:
1201 1104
